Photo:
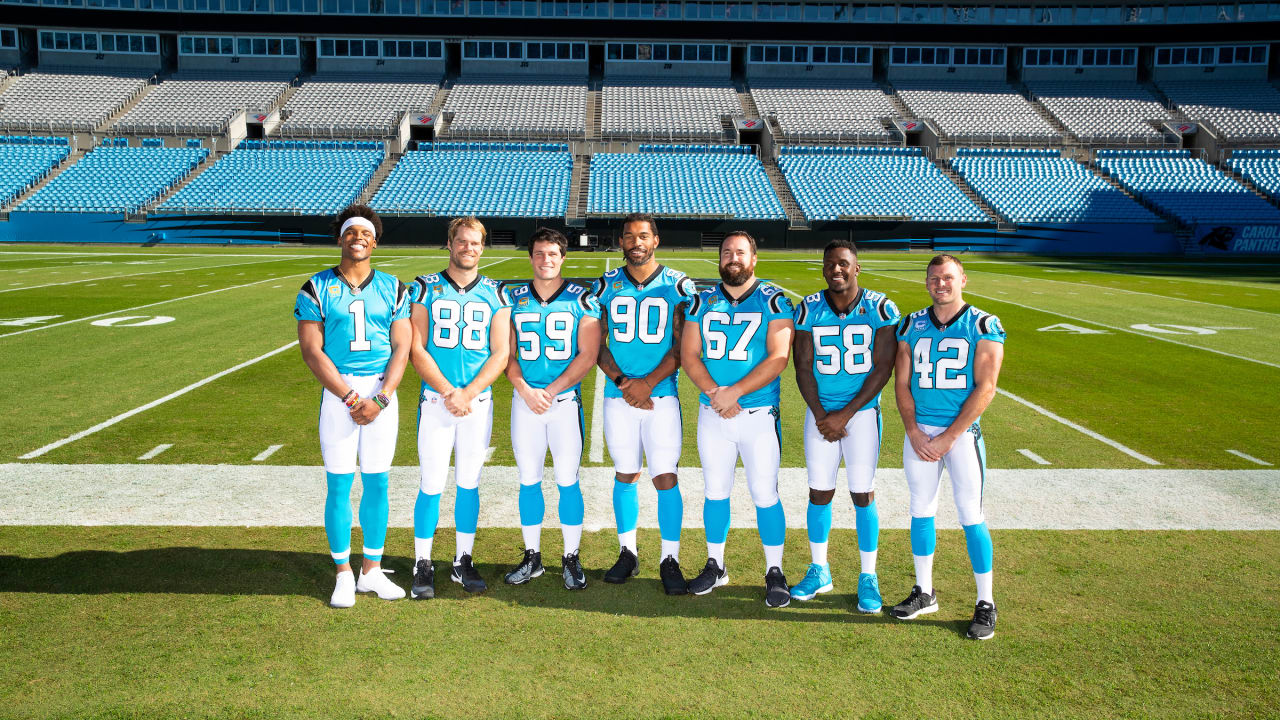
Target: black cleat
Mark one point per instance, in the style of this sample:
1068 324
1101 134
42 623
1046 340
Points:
529 568
465 574
574 577
626 568
918 603
776 592
983 626
673 582
711 577
424 581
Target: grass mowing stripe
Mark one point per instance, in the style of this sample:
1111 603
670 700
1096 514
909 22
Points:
143 408
1079 428
151 272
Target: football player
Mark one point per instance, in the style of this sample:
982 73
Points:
736 342
844 353
353 329
949 357
461 333
555 337
642 306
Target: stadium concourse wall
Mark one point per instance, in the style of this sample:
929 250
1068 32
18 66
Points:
1092 239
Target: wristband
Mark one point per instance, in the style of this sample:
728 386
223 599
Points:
382 400
344 397
352 399
618 380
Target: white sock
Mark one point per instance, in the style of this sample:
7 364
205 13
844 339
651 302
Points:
869 562
532 537
422 548
466 542
671 548
628 540
924 572
819 552
572 538
715 551
772 557
984 586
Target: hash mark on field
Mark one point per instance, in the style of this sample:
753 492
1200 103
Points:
1034 457
271 450
1250 458
155 451
1079 428
167 285
143 408
488 454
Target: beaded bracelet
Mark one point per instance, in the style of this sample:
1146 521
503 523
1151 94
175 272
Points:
351 399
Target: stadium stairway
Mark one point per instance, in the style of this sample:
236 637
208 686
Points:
795 216
1068 137
1235 175
68 161
579 185
129 105
1002 222
208 162
898 106
379 177
1174 111
748 103
437 104
593 114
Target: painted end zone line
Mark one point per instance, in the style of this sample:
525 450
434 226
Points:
126 415
1080 428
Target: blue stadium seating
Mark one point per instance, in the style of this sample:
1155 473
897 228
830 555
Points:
898 182
1186 187
24 161
1260 167
115 179
282 177
1043 186
515 179
672 180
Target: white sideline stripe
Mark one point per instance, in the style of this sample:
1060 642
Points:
1250 458
143 408
159 302
1078 428
1034 457
155 451
271 450
151 272
1131 331
596 454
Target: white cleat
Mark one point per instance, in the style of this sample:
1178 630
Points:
344 591
378 582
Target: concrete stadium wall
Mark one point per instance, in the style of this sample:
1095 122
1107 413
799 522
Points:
531 69
623 69
291 65
803 73
104 62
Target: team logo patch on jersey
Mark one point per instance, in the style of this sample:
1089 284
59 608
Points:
617 285
438 289
335 291
920 324
523 301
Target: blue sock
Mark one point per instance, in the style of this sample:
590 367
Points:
715 518
772 523
571 507
670 513
923 536
374 511
426 515
466 509
981 553
626 506
532 506
337 514
867 521
818 518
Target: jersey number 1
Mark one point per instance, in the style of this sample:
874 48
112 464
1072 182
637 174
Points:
359 342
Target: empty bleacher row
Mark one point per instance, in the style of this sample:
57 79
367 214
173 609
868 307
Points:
116 179
353 106
977 111
196 105
51 101
1240 110
483 179
658 110
1098 112
550 108
1260 167
826 112
698 184
25 161
1185 187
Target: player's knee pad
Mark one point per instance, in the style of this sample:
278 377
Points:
432 480
764 492
970 512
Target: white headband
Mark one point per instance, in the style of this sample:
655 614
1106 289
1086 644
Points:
359 221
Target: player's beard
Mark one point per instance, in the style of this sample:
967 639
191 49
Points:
735 274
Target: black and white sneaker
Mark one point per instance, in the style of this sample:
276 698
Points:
574 576
776 592
983 626
465 574
626 568
711 577
916 604
529 568
424 581
673 582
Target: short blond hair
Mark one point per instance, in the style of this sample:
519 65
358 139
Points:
469 221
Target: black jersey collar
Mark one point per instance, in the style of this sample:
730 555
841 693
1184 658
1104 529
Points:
533 292
445 274
841 313
746 294
642 283
354 288
943 326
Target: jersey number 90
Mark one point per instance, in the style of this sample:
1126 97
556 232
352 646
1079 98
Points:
629 320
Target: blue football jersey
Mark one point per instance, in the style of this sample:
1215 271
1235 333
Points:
735 335
458 320
641 319
547 330
357 322
942 359
844 343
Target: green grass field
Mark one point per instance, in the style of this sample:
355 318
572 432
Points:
1109 364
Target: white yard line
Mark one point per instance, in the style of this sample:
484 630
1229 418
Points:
1078 428
1250 458
143 408
155 451
152 272
596 454
271 450
1034 457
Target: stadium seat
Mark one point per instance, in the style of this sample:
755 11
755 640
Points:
25 162
483 179
1186 187
116 179
682 181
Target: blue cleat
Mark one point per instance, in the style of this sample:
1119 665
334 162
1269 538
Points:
817 579
869 593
